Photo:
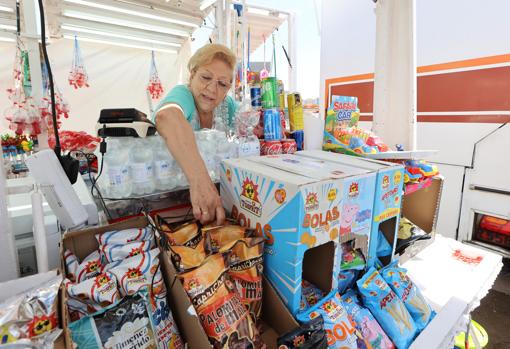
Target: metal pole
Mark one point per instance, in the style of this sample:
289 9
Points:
395 73
31 36
291 21
8 257
41 247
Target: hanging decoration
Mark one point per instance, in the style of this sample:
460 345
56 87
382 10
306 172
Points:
22 115
251 75
78 77
154 87
61 105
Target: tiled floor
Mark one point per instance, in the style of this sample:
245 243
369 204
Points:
494 311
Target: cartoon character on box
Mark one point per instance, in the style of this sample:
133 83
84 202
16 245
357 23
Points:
349 212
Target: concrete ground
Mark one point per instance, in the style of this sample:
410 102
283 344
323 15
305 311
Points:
494 311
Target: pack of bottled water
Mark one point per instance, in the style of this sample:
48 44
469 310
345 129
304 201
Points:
141 166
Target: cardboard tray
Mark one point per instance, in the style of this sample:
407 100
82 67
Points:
275 315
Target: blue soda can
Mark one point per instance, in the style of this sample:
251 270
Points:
256 96
299 137
272 125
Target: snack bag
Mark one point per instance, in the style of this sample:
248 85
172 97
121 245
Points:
124 236
31 318
346 279
97 292
310 335
387 308
310 295
383 246
223 316
117 252
89 267
365 322
185 258
124 325
141 273
340 330
187 234
407 291
220 237
245 271
72 264
351 258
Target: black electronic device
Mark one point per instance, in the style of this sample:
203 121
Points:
124 122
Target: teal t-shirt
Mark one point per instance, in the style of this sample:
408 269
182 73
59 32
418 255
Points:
181 95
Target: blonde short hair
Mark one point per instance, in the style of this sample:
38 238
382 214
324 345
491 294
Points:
206 54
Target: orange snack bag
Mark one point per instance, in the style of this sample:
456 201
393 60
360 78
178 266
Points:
245 270
223 316
219 237
185 258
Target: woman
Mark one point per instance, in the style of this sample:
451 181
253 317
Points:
191 107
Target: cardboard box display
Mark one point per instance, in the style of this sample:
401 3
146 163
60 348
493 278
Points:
422 208
297 204
274 312
388 195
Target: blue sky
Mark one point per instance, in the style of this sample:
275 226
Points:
307 44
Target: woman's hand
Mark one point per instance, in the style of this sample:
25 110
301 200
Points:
205 201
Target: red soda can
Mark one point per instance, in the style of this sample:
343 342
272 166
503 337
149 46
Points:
273 147
262 147
289 146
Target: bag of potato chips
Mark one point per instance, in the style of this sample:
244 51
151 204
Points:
97 292
220 237
245 270
187 234
223 316
89 267
185 258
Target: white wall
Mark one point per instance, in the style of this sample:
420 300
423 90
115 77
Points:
447 30
118 77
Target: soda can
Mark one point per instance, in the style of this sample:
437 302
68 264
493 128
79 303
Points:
273 147
269 93
262 147
295 107
272 125
299 137
289 146
256 96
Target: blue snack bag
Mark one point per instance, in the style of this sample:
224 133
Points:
346 279
365 322
310 295
407 291
383 246
387 308
340 330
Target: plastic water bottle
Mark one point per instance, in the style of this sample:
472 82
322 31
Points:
220 122
142 172
116 160
164 165
247 119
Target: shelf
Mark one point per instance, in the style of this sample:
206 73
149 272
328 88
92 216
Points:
402 155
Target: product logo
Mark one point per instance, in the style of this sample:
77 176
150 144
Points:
311 202
101 280
332 194
135 251
385 182
229 175
353 190
397 177
193 287
133 273
328 307
299 341
249 199
42 324
92 266
280 195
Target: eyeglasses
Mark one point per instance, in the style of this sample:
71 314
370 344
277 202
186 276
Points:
206 79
